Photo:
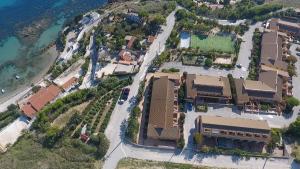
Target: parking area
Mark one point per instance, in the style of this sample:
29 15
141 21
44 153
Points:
10 134
274 121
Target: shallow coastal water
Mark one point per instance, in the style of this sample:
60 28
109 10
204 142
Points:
28 26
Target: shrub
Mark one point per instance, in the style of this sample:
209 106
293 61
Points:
292 102
198 138
103 146
208 62
180 143
294 129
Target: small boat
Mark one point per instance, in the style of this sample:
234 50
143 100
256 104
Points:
2 91
17 77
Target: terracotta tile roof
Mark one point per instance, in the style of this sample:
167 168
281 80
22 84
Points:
208 81
241 93
172 76
69 83
271 51
260 126
28 110
291 24
257 86
207 85
191 92
162 110
268 88
125 55
130 42
44 96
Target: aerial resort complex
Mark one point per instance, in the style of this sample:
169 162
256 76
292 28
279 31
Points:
192 84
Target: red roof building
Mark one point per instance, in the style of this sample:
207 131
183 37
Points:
38 100
28 110
125 56
130 42
70 83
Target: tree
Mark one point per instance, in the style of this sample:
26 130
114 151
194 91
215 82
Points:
143 14
291 59
226 2
294 128
52 136
291 70
208 62
158 19
12 107
292 101
198 138
137 45
180 143
36 88
103 146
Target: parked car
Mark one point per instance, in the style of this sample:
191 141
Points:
190 106
239 66
124 95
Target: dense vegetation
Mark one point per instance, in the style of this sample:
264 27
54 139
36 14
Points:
133 123
255 56
246 9
7 117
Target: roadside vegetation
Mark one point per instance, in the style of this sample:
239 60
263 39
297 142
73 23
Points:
132 163
293 133
8 116
255 55
133 124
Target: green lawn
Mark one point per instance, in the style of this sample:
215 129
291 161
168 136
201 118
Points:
213 43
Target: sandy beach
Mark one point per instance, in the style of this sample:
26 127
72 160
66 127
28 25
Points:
14 96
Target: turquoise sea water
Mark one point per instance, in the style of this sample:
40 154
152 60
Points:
18 57
5 3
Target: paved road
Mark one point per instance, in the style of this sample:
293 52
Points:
115 129
189 157
243 59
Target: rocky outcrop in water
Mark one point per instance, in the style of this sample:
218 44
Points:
31 33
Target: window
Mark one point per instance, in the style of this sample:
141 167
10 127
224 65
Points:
248 135
231 133
264 136
207 130
240 134
256 135
223 132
